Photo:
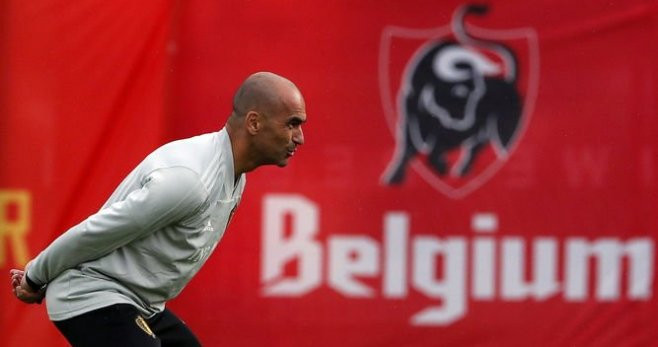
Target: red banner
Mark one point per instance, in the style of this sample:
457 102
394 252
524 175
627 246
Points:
472 175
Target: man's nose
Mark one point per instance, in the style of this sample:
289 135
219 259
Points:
298 137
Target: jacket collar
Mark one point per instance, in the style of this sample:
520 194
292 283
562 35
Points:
227 168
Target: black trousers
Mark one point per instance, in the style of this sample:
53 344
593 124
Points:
122 325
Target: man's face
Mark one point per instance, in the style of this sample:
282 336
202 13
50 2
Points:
282 133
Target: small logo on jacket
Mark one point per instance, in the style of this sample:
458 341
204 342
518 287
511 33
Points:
463 99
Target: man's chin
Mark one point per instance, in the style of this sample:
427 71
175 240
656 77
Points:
280 163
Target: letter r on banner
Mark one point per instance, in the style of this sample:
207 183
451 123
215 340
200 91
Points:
279 249
14 226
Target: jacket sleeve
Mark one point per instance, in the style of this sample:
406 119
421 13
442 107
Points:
166 196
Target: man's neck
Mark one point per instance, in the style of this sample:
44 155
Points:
241 163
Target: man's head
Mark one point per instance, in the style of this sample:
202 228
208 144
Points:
268 112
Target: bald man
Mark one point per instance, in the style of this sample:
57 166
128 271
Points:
107 279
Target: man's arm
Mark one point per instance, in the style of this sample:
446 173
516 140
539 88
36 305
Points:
167 196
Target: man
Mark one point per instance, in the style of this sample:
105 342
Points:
107 279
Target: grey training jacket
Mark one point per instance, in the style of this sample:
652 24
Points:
150 238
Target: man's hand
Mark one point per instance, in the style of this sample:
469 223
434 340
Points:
22 290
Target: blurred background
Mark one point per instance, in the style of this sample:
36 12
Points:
548 239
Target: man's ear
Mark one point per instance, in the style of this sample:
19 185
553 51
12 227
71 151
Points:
252 122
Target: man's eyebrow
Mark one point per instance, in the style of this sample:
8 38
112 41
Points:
296 119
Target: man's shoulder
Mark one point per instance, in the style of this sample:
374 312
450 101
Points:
191 153
176 183
196 144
